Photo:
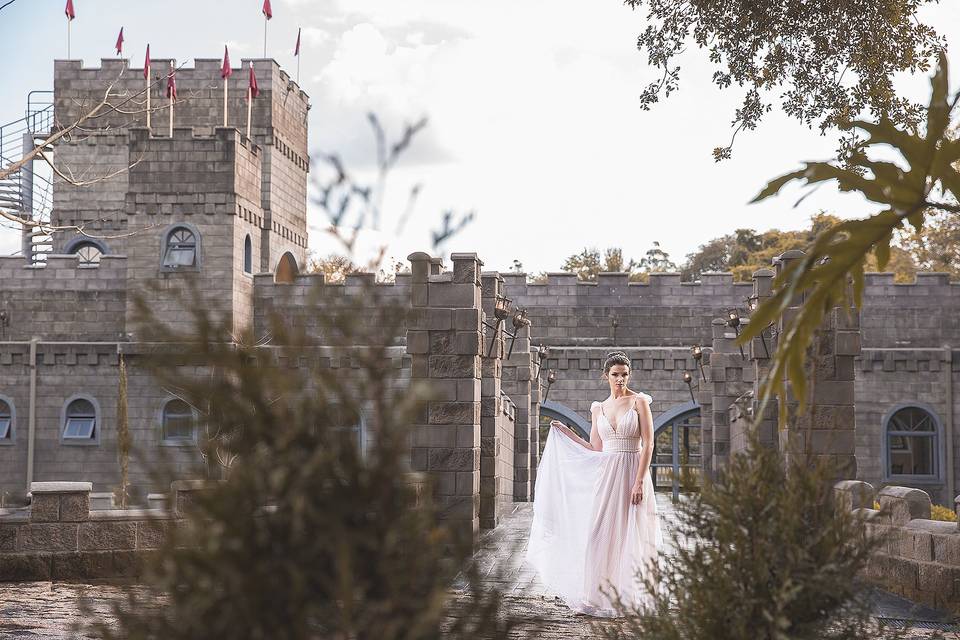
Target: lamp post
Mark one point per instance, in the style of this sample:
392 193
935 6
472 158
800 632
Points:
697 352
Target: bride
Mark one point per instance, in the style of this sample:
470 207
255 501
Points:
595 524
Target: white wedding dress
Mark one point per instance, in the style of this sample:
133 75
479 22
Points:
588 542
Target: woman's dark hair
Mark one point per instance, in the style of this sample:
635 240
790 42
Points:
613 358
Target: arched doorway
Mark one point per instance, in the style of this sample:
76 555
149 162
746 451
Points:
286 269
678 449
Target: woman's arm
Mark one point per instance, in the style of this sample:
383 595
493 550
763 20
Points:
646 454
595 444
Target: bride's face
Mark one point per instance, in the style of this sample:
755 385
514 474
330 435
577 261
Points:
618 376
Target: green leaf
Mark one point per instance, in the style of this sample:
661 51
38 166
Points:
774 186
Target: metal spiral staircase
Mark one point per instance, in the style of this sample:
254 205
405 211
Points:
28 193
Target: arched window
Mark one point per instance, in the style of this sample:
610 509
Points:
87 251
180 248
247 255
80 422
912 443
6 421
178 422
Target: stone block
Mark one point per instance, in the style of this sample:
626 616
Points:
8 538
854 494
454 459
75 507
100 536
847 343
418 342
453 413
467 343
45 507
152 534
937 578
458 366
904 504
24 567
82 565
946 549
49 537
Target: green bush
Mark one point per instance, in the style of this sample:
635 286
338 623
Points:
769 557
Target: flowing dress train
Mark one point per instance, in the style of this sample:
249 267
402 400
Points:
588 543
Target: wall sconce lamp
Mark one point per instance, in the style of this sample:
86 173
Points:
551 378
733 321
689 380
697 352
520 320
543 352
501 310
4 323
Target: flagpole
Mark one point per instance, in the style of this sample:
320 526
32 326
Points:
148 98
249 108
265 35
171 115
68 37
298 68
226 83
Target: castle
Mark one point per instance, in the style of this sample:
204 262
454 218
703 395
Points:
230 211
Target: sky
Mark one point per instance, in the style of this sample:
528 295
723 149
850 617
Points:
534 116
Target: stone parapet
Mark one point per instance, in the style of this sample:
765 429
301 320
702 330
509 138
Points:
918 558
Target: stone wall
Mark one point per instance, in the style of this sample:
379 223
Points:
63 300
59 538
919 558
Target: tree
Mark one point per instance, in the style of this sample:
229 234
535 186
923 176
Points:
929 186
334 267
830 60
938 249
656 260
585 264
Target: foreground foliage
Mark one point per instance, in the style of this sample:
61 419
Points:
928 184
770 557
312 533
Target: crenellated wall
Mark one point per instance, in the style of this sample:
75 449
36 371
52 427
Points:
919 558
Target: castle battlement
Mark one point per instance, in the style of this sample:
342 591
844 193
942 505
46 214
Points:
72 74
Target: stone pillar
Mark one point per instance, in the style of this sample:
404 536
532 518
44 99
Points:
60 501
827 430
760 351
444 343
518 370
536 394
725 355
491 423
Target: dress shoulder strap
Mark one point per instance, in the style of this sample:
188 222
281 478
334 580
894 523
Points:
645 396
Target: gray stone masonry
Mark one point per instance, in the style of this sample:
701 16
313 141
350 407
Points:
826 431
444 343
919 558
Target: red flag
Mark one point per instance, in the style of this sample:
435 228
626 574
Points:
267 11
119 45
68 10
172 83
146 64
296 50
225 70
254 89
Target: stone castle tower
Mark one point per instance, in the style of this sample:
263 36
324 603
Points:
207 201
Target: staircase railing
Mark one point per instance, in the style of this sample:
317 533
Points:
28 193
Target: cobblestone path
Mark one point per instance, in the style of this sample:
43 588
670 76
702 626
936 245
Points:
45 610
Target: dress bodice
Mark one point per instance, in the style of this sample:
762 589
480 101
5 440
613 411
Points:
624 436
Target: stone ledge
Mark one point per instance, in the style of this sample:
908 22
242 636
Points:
61 487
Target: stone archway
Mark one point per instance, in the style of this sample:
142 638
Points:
558 411
287 270
678 448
